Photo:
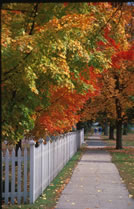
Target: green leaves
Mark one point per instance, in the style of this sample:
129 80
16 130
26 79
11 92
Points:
63 42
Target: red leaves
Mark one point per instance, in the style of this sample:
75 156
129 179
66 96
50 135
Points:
62 114
65 4
128 55
118 58
101 43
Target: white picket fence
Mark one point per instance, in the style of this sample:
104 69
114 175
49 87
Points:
39 169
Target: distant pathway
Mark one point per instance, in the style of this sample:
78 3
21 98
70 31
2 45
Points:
95 183
95 142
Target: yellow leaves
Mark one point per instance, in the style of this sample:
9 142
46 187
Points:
34 117
73 203
43 196
59 27
62 55
29 47
8 40
34 89
4 133
99 190
82 21
97 70
130 196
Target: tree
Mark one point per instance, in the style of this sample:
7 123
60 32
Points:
63 49
116 92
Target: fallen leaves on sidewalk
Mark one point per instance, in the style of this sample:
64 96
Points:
73 203
99 190
130 195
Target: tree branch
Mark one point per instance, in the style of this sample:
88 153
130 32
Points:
30 33
14 68
34 15
17 10
107 21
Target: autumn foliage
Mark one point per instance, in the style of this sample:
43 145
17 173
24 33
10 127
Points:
54 62
117 89
63 113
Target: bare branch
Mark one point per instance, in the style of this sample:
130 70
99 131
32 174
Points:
120 6
16 10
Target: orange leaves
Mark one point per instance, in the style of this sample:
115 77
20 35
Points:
82 21
16 12
63 111
65 104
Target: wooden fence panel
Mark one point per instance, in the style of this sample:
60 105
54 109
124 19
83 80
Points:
46 161
13 187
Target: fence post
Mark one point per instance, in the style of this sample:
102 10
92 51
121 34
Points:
41 144
32 171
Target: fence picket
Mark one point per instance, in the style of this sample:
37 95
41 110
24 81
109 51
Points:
32 171
2 174
25 175
6 176
49 162
13 177
19 177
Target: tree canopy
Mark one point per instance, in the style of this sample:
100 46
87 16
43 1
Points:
52 58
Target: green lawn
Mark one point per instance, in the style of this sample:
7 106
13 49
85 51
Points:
124 159
127 140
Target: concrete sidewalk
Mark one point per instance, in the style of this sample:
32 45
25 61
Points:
95 183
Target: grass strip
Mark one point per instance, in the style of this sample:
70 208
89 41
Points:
51 194
124 161
127 140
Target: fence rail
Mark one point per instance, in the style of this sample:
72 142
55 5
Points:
28 179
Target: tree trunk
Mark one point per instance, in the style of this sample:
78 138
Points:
18 145
106 129
119 134
79 125
37 144
125 129
111 132
119 116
